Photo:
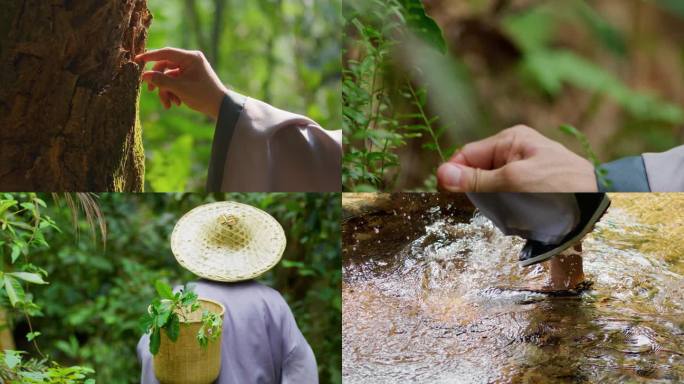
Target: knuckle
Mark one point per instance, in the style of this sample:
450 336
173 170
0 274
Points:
521 129
510 173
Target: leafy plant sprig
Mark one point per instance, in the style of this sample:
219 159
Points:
601 172
22 232
375 129
418 99
15 369
210 329
167 311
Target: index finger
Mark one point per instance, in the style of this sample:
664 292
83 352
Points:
170 54
479 154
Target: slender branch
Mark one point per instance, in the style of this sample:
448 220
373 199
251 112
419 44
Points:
191 7
219 7
271 59
372 118
382 164
428 125
35 344
368 143
36 220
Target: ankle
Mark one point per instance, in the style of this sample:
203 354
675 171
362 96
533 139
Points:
566 270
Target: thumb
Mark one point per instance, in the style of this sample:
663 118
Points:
160 80
460 178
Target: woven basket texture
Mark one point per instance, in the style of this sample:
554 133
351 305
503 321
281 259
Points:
228 241
185 361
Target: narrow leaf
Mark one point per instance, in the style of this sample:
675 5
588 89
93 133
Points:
146 322
6 204
164 290
14 291
16 251
155 340
173 327
163 317
30 277
32 335
12 358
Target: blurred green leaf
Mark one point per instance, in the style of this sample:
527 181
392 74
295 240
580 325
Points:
422 24
552 68
173 328
12 358
13 288
532 29
610 36
32 335
171 166
163 290
675 6
6 204
30 277
155 341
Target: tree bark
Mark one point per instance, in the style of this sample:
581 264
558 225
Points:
69 95
6 339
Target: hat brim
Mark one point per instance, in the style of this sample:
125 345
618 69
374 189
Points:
194 249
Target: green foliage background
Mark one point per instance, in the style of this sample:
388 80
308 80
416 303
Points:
97 293
284 52
613 69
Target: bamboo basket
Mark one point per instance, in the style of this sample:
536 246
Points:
185 361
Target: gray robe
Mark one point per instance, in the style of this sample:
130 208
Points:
259 148
260 343
544 217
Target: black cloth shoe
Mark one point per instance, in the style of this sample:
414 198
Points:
592 207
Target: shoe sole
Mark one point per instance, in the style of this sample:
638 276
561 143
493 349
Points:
602 208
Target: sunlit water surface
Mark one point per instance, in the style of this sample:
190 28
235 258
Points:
434 307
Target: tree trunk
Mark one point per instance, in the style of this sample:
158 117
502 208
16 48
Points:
69 94
6 339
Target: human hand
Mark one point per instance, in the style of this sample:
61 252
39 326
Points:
517 159
183 77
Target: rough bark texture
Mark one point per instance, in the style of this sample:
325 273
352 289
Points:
69 94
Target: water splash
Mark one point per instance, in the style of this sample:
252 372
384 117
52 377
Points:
431 308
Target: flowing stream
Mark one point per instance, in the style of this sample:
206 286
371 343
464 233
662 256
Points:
427 297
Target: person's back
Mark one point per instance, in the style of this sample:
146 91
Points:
261 342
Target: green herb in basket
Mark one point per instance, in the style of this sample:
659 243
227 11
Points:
210 329
168 310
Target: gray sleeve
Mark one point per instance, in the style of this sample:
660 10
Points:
544 217
231 107
299 366
299 363
624 175
665 171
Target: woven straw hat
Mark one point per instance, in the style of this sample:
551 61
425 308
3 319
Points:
227 241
